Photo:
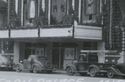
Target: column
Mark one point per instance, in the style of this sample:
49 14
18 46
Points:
101 55
73 4
22 12
16 6
79 10
49 10
80 47
16 52
49 52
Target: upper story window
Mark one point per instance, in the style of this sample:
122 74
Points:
62 12
32 9
91 11
90 7
16 6
58 11
36 12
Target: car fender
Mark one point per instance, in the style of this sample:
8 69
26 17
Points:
73 67
38 66
20 66
114 70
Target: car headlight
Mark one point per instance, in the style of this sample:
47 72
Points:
106 60
21 61
113 61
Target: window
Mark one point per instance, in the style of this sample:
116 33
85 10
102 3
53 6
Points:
62 12
32 9
90 46
69 53
90 13
8 46
93 57
16 6
58 11
83 57
90 7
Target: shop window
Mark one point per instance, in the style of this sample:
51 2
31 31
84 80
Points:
8 46
69 53
90 46
38 51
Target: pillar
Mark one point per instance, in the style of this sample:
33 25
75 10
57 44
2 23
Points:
48 52
80 47
101 55
16 52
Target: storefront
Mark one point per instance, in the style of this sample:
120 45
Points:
58 53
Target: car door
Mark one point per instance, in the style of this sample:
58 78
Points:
83 63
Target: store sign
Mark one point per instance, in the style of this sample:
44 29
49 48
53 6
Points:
56 32
4 34
88 32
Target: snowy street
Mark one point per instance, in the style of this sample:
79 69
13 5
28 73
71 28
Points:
55 77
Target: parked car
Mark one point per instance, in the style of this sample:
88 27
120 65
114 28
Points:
87 63
6 62
35 64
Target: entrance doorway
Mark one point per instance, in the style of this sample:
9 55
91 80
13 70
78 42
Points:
58 57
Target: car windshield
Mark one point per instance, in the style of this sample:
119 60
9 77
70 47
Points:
93 58
3 59
83 57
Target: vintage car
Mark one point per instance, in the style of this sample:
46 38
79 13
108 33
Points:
6 62
35 64
87 63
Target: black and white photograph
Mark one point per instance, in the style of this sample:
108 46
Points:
62 40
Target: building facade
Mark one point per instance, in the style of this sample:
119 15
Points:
56 29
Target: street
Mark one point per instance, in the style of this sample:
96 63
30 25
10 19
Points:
55 77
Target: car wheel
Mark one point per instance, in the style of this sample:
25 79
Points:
35 69
110 74
18 68
92 72
69 71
